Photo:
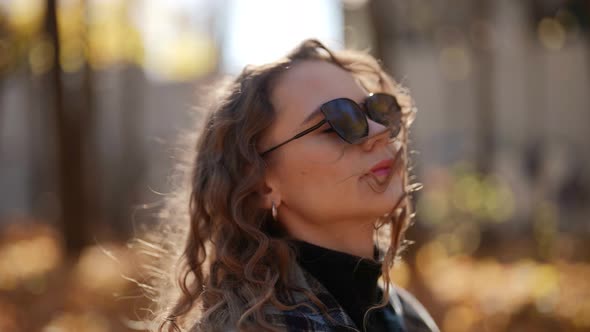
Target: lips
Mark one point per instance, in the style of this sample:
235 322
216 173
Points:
385 166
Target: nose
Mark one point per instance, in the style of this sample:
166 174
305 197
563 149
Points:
378 135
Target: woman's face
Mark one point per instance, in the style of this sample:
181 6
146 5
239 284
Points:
319 178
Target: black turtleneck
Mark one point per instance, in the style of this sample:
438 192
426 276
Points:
350 279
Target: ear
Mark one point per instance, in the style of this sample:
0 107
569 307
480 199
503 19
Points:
268 192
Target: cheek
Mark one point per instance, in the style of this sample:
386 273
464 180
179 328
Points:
318 179
314 174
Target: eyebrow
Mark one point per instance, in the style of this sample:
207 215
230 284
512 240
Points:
311 116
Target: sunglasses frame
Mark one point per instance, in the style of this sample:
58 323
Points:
362 106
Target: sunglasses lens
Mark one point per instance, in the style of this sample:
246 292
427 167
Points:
347 119
384 109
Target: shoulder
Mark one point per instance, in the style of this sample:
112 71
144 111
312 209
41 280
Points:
304 314
415 314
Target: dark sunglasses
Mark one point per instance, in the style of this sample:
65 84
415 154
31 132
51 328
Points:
349 119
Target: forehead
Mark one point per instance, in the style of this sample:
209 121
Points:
307 85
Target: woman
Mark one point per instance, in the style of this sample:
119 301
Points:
298 203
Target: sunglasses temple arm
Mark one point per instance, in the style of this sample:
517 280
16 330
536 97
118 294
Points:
301 134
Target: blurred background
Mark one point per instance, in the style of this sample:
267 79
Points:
93 96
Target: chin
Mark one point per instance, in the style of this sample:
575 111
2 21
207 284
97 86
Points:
386 201
377 203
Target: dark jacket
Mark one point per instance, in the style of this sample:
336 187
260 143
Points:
414 317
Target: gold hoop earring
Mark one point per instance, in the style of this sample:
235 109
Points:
274 211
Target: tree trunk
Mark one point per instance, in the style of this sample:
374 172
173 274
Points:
485 121
381 12
70 171
133 161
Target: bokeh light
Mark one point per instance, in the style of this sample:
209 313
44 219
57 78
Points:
27 260
551 34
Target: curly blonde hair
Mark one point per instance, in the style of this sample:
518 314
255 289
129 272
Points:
234 259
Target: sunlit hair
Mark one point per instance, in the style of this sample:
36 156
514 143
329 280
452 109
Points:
222 258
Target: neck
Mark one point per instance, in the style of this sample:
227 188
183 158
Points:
352 236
